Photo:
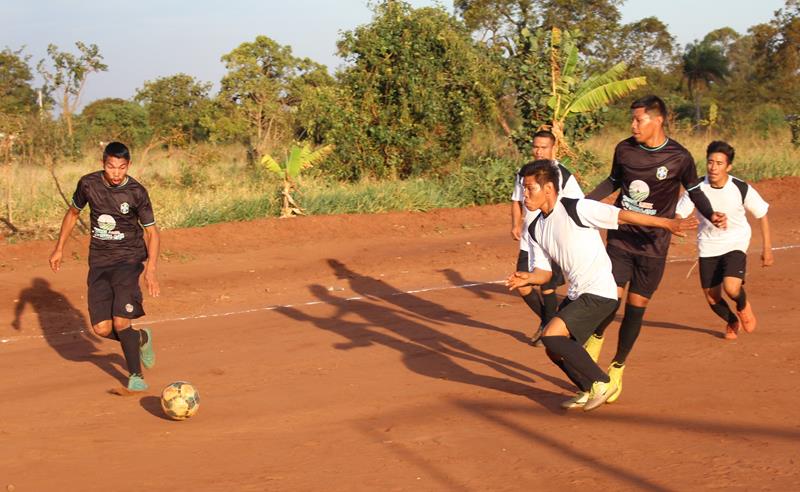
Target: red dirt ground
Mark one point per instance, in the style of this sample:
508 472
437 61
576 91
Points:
357 384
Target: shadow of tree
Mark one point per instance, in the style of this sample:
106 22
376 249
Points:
65 328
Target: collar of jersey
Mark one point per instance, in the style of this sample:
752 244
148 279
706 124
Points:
108 185
653 149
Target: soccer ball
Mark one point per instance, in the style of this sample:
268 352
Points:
180 400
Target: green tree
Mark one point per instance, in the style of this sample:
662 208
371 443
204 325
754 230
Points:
300 158
17 96
260 93
68 75
415 88
176 105
110 119
703 65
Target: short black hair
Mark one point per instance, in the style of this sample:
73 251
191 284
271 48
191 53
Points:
545 134
722 148
543 171
118 150
651 104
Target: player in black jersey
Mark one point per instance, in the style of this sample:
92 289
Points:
124 244
649 169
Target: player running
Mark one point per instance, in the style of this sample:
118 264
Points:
723 253
543 148
649 168
566 233
124 243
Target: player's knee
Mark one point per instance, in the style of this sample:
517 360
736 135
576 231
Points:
524 291
102 329
121 323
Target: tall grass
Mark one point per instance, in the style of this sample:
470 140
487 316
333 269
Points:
187 193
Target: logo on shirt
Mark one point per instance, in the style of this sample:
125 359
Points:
124 207
106 222
105 229
638 191
661 173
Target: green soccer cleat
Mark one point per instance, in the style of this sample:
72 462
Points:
600 393
577 401
136 383
146 352
593 346
615 373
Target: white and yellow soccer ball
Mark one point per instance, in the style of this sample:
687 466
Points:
180 400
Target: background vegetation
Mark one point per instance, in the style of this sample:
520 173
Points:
429 110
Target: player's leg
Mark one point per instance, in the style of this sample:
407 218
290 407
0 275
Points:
530 295
100 302
549 297
128 306
735 267
564 338
622 269
711 278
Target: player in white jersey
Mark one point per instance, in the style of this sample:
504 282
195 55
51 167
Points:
723 258
543 148
567 233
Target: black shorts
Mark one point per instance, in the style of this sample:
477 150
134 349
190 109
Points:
114 291
643 272
558 276
583 315
714 268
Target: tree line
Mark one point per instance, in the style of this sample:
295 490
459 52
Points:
421 90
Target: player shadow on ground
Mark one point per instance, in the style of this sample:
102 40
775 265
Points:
482 290
65 328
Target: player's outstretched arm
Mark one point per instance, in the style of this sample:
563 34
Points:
67 224
677 226
766 243
516 220
522 279
605 188
152 240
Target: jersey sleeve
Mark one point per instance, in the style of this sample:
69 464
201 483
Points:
540 258
80 198
754 204
689 177
685 206
597 215
144 210
616 174
572 189
519 193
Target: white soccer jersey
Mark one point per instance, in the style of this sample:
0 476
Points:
569 237
567 186
733 199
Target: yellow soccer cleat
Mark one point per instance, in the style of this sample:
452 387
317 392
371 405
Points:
593 346
615 373
577 401
599 394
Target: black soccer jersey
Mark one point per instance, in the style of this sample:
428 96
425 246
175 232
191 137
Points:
117 216
650 181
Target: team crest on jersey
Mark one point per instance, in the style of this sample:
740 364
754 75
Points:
124 208
661 172
129 308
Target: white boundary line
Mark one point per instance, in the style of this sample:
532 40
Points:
678 259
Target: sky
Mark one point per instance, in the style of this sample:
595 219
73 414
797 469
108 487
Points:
146 39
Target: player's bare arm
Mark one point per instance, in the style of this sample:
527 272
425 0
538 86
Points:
522 279
766 243
67 224
152 241
516 220
676 226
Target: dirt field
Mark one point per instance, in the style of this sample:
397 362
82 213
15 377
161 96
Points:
379 353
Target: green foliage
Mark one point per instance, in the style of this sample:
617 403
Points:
176 103
299 158
768 118
16 94
415 89
106 120
703 64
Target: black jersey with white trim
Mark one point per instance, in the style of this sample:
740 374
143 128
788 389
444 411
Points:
650 180
118 214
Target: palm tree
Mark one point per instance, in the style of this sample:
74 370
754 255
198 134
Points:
299 158
569 95
703 64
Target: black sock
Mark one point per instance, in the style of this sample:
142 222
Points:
112 335
629 332
601 329
533 302
578 379
549 306
741 301
722 310
574 358
129 338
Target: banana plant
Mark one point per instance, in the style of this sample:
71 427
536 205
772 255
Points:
569 95
300 157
